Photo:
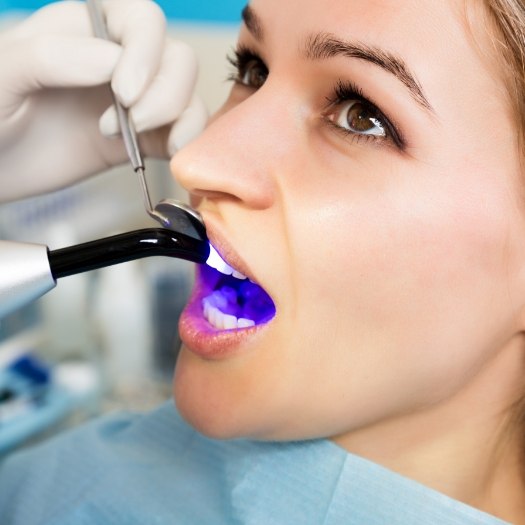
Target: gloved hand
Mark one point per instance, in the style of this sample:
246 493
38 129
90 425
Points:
55 125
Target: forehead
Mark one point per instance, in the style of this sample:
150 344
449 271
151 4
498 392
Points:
374 19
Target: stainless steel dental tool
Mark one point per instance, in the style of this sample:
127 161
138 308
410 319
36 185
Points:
28 271
168 211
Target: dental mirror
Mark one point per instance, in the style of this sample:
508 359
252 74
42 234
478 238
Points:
179 216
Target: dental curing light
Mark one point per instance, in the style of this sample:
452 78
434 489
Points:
28 271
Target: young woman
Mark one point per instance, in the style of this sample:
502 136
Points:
366 172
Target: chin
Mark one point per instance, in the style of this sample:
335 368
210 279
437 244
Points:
221 405
206 424
205 402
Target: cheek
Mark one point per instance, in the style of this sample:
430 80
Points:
409 276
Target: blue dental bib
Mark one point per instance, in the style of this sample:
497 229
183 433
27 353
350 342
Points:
154 469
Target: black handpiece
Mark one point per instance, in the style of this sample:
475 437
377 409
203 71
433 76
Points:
126 247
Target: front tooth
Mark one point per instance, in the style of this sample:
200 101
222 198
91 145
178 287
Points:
214 316
219 320
206 305
216 261
229 322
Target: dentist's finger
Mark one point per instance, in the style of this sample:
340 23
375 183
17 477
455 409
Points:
59 18
168 95
54 61
140 27
170 91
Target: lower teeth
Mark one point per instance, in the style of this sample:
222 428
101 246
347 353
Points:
224 321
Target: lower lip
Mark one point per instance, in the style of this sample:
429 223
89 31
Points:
205 341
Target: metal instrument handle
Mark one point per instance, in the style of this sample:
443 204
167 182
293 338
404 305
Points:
129 135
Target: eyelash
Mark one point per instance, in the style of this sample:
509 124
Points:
346 91
343 92
241 58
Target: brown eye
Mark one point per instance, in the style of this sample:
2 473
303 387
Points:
358 117
253 74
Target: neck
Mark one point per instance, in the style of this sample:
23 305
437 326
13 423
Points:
465 446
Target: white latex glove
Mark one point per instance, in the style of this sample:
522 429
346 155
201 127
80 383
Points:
55 125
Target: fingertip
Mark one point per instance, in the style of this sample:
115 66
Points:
108 123
140 27
170 92
129 84
59 61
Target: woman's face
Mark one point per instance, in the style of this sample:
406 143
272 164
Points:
364 170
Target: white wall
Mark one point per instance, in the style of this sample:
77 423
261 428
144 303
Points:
211 43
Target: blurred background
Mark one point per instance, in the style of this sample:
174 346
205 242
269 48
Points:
107 339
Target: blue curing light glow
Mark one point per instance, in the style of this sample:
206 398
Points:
241 298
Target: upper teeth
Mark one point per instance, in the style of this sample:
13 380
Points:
216 261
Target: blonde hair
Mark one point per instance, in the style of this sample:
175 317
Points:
508 38
507 18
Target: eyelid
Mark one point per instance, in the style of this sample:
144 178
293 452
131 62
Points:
348 90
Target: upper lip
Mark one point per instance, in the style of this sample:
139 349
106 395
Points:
227 252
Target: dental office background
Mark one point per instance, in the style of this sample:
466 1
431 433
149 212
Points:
107 339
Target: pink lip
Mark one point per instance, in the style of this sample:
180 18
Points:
194 330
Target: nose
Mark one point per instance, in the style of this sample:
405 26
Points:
236 157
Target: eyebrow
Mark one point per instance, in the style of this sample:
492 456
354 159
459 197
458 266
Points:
252 22
325 45
321 46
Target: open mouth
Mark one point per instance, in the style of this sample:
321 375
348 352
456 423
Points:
232 301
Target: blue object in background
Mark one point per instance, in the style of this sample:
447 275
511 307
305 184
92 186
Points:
28 402
225 11
32 369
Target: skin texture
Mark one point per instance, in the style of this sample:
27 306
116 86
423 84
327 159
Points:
398 274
